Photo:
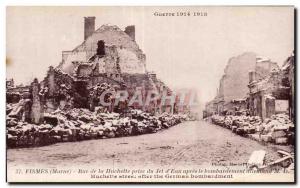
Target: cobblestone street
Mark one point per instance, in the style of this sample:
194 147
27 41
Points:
189 144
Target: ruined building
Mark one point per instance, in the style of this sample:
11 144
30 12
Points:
14 92
107 55
233 91
10 83
108 59
288 69
274 93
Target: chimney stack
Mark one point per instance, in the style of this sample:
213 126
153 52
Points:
252 76
130 30
89 26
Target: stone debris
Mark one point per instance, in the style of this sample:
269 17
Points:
285 163
82 124
257 158
277 129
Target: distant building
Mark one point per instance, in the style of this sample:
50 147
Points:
15 92
10 83
187 102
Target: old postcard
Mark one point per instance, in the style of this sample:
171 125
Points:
150 94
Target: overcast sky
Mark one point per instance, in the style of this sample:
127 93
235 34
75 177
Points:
183 51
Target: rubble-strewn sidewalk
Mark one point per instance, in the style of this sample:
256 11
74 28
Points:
82 124
278 129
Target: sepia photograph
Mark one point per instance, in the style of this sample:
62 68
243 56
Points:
150 94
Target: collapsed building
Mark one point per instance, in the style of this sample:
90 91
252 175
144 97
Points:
274 93
262 89
267 112
108 59
288 69
79 99
14 92
233 92
107 55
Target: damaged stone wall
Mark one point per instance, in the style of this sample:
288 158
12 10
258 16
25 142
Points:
264 67
289 79
80 94
133 83
238 67
103 78
59 86
37 108
84 70
107 56
132 59
111 61
145 84
265 92
85 78
68 57
255 104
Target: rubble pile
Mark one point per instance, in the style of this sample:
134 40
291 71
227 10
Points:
278 129
82 124
238 124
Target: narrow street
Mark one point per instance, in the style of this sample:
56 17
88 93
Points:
187 144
